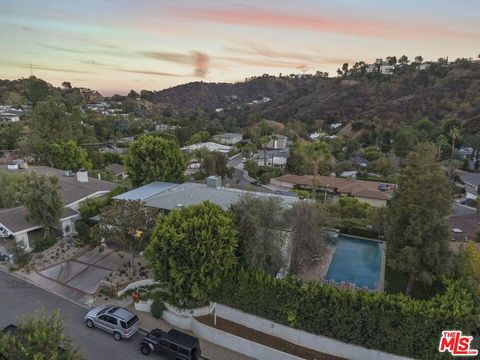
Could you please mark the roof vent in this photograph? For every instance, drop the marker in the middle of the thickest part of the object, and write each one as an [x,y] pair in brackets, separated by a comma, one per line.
[214,182]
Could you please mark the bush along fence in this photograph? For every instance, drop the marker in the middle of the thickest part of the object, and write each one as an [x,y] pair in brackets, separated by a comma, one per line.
[392,323]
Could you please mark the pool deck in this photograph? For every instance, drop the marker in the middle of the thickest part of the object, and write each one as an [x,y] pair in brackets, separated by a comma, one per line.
[318,271]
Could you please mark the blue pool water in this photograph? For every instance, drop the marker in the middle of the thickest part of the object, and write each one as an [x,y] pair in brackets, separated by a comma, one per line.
[357,261]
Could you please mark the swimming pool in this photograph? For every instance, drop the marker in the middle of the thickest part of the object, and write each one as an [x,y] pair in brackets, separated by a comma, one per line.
[357,261]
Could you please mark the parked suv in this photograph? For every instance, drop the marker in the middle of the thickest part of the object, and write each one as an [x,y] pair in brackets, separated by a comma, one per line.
[175,345]
[116,320]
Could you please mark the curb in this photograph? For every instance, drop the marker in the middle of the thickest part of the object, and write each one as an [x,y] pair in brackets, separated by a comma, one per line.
[27,280]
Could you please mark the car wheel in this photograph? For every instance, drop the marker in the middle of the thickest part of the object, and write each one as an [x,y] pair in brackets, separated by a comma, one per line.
[117,336]
[145,350]
[90,323]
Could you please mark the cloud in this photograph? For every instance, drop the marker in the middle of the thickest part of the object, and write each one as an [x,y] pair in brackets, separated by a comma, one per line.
[259,50]
[147,72]
[63,49]
[340,22]
[199,60]
[43,67]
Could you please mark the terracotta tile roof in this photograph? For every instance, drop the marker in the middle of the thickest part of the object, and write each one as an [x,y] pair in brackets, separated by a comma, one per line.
[360,188]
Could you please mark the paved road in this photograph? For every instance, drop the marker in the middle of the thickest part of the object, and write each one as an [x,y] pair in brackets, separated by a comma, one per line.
[20,298]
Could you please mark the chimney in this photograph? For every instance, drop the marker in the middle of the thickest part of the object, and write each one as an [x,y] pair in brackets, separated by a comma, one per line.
[214,182]
[82,176]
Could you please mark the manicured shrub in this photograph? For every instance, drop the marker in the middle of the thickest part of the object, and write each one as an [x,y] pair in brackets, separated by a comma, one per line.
[392,323]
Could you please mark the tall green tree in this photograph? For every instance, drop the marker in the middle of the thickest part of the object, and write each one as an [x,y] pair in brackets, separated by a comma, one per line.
[68,156]
[49,123]
[260,242]
[317,152]
[191,252]
[38,337]
[153,158]
[44,201]
[10,135]
[127,225]
[417,232]
[310,223]
[404,142]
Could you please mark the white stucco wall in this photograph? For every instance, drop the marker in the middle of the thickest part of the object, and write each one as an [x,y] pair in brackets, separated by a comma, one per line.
[320,343]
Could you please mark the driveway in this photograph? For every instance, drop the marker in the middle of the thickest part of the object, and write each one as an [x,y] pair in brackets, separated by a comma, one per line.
[79,278]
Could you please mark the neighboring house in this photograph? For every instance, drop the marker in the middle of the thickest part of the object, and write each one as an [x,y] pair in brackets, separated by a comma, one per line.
[464,227]
[210,146]
[112,149]
[116,170]
[365,191]
[75,189]
[168,197]
[335,126]
[280,142]
[10,114]
[228,138]
[387,69]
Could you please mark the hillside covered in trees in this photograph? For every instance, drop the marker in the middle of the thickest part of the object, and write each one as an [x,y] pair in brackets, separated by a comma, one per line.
[410,94]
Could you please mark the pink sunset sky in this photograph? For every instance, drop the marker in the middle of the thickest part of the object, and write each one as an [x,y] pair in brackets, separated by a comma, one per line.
[115,46]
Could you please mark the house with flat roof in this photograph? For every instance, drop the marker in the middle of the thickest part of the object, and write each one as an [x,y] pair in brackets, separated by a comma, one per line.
[75,189]
[371,192]
[210,146]
[228,138]
[168,197]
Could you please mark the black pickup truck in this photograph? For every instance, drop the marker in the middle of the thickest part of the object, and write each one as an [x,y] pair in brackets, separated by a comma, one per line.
[174,344]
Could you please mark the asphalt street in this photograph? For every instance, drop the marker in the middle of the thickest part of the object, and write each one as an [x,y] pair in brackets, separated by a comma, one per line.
[20,298]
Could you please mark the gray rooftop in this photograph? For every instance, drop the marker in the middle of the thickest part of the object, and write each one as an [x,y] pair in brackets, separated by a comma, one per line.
[228,135]
[72,190]
[192,193]
[16,219]
[146,191]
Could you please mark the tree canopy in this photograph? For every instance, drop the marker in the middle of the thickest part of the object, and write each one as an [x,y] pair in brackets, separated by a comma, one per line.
[42,197]
[38,337]
[127,225]
[152,158]
[191,251]
[68,156]
[417,231]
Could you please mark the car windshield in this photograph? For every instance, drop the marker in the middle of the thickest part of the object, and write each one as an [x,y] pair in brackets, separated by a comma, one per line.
[102,311]
[132,321]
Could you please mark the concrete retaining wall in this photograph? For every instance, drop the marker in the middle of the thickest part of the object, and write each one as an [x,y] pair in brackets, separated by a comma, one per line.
[182,318]
[320,343]
[238,344]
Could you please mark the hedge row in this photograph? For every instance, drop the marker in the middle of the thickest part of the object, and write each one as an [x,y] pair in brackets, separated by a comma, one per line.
[392,323]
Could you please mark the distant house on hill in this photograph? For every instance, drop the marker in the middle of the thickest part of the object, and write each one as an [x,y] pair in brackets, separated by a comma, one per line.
[280,142]
[228,138]
[210,146]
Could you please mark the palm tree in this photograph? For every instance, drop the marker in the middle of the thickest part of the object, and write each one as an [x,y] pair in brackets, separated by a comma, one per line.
[273,138]
[318,151]
[264,141]
[454,134]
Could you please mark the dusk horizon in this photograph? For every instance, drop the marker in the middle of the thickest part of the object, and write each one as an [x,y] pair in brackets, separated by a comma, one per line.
[144,45]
